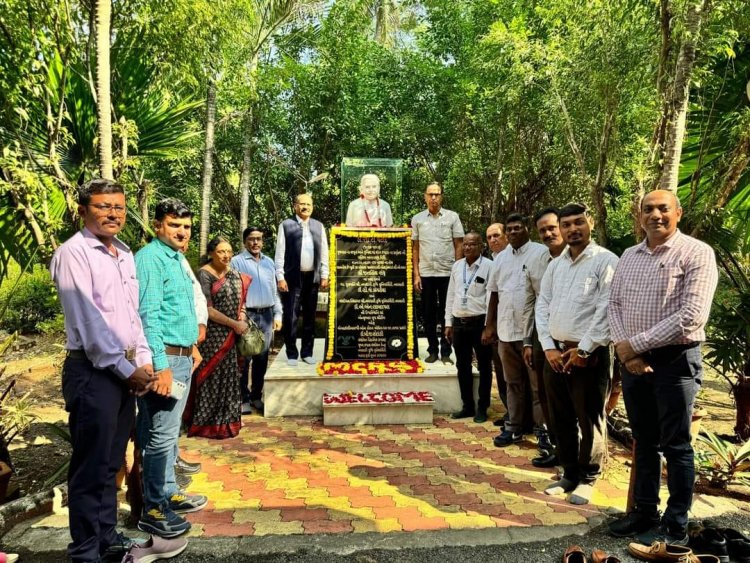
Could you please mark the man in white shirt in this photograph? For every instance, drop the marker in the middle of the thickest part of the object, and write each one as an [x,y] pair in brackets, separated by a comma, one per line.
[505,322]
[438,236]
[571,317]
[497,242]
[548,227]
[464,322]
[301,269]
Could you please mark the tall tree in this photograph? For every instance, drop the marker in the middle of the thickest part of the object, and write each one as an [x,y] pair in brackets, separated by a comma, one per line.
[208,167]
[103,99]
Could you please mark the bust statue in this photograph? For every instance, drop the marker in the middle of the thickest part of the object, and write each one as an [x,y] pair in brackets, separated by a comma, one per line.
[369,210]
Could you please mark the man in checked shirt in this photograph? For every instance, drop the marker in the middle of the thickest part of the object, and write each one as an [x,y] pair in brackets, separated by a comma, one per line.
[658,307]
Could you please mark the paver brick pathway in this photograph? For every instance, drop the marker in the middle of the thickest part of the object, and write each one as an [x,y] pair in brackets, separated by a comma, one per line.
[296,476]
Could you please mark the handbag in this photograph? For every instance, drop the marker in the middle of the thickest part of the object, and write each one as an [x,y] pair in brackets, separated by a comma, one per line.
[252,341]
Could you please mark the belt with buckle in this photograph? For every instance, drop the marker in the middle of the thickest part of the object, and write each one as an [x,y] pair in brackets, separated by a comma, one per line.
[259,309]
[178,350]
[468,320]
[563,345]
[81,355]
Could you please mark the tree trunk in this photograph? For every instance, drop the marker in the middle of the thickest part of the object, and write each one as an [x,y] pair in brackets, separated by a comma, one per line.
[678,102]
[597,188]
[103,100]
[247,159]
[741,392]
[208,166]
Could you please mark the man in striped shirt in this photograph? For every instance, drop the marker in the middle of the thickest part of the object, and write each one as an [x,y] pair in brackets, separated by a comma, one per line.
[659,304]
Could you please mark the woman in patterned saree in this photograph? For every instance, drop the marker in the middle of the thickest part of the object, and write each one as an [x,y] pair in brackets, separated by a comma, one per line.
[213,409]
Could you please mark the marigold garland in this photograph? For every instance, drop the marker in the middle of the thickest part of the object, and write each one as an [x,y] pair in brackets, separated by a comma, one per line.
[374,367]
[342,229]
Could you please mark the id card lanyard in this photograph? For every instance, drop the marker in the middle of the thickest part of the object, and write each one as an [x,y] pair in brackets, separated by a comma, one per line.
[467,284]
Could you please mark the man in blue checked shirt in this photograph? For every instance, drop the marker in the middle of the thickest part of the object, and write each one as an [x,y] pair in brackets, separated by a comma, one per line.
[167,311]
[263,306]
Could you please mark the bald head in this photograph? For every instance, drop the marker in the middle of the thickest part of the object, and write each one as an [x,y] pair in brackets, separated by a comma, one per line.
[660,213]
[496,238]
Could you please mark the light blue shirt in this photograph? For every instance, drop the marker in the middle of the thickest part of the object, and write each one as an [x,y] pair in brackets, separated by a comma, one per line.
[262,292]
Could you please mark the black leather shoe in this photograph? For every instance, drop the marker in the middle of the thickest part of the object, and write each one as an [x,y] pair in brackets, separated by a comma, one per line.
[480,418]
[446,360]
[545,459]
[431,359]
[634,522]
[186,468]
[709,540]
[738,544]
[463,413]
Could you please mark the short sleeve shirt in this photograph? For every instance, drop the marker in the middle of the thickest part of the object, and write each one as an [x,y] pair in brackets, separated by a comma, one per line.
[435,234]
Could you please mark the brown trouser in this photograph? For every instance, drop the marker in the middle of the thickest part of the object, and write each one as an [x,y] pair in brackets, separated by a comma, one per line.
[517,377]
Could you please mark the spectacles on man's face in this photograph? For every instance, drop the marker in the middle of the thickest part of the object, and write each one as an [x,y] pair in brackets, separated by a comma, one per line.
[433,195]
[106,208]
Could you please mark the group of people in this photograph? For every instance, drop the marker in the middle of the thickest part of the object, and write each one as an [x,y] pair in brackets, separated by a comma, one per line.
[144,329]
[549,317]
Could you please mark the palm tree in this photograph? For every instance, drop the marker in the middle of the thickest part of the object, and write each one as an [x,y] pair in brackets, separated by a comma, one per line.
[103,100]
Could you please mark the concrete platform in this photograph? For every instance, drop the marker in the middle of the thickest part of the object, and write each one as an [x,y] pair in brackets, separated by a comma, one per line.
[298,390]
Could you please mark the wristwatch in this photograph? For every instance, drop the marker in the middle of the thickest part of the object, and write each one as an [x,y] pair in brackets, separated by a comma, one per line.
[583,354]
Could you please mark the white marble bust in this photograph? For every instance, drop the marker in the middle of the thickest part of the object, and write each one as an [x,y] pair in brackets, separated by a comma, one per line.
[369,210]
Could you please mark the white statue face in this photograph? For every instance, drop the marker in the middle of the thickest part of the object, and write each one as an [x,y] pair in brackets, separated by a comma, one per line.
[369,186]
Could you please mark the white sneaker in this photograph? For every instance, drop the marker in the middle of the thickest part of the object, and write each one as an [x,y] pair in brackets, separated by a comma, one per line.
[246,408]
[292,361]
[309,360]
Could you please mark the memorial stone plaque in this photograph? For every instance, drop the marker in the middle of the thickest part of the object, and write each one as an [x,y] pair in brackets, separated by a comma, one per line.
[371,308]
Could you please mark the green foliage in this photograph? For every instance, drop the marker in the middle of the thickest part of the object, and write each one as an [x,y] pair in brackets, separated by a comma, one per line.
[28,301]
[723,463]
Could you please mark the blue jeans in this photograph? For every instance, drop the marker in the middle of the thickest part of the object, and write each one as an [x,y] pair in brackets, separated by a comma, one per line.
[158,428]
[264,320]
[660,408]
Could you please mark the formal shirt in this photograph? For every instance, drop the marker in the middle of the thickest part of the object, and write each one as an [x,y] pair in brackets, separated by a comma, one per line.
[572,302]
[307,259]
[362,213]
[467,289]
[262,292]
[201,305]
[663,296]
[533,286]
[167,304]
[99,297]
[508,279]
[435,234]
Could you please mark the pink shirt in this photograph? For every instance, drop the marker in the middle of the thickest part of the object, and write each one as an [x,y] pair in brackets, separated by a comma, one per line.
[663,296]
[99,296]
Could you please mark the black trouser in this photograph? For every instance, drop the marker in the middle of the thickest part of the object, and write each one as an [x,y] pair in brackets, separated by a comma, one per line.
[264,320]
[660,409]
[467,338]
[101,414]
[576,405]
[434,294]
[300,299]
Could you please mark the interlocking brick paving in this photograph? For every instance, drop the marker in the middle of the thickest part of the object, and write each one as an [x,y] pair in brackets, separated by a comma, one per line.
[296,476]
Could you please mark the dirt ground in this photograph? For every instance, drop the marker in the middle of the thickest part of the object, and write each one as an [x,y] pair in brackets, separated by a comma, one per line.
[39,452]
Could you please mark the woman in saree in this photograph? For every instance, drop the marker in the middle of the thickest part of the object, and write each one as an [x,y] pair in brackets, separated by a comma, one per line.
[213,409]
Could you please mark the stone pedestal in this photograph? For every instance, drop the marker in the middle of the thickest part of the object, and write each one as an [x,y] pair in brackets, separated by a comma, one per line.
[298,390]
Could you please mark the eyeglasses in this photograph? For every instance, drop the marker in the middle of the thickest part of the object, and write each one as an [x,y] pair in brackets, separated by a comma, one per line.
[433,195]
[106,208]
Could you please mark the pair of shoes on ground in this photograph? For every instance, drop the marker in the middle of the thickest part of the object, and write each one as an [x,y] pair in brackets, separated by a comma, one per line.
[575,554]
[247,407]
[307,359]
[154,549]
[432,358]
[479,417]
[166,522]
[722,542]
[185,467]
[660,551]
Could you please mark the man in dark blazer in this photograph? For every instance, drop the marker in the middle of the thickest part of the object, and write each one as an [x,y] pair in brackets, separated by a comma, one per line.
[301,269]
